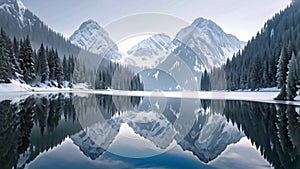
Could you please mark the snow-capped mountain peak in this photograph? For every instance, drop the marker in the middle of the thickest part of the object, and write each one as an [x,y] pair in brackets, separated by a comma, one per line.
[15,8]
[85,32]
[92,37]
[158,41]
[90,24]
[17,4]
[202,22]
[205,38]
[227,44]
[21,6]
[149,52]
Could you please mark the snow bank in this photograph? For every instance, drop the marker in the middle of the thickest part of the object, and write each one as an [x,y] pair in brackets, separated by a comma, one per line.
[267,97]
[14,86]
[271,89]
[17,90]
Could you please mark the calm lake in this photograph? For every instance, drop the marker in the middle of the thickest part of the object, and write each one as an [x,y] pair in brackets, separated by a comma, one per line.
[61,131]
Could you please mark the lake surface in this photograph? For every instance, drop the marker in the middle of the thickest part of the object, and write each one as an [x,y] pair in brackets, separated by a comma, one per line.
[102,131]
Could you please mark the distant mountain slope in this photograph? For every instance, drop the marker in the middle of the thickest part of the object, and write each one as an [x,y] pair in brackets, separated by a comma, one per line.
[150,52]
[202,45]
[208,42]
[19,21]
[203,41]
[93,38]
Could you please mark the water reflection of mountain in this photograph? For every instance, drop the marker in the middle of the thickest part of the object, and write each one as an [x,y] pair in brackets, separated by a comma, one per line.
[210,136]
[37,124]
[94,113]
[154,121]
[212,132]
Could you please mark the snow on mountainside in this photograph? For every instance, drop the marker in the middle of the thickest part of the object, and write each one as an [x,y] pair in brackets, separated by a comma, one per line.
[152,126]
[17,9]
[202,45]
[150,52]
[96,139]
[207,38]
[203,42]
[93,38]
[85,32]
[210,136]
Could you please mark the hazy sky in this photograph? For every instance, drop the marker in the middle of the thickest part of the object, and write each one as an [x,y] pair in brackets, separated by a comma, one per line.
[242,18]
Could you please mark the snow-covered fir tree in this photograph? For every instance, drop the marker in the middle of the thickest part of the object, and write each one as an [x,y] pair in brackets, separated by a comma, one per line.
[27,63]
[291,87]
[5,74]
[43,64]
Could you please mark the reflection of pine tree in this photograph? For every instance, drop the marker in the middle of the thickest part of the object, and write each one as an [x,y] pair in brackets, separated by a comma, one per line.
[26,123]
[271,130]
[293,127]
[54,114]
[9,136]
[17,120]
[110,105]
[282,129]
[41,112]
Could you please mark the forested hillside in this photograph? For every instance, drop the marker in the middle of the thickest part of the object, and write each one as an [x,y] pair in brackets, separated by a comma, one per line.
[18,21]
[271,58]
[19,61]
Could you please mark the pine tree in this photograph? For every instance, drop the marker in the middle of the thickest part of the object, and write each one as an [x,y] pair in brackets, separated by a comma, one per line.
[51,64]
[59,76]
[282,95]
[28,65]
[71,62]
[65,68]
[11,61]
[205,81]
[77,72]
[254,76]
[265,77]
[291,87]
[16,51]
[298,68]
[282,68]
[43,62]
[4,54]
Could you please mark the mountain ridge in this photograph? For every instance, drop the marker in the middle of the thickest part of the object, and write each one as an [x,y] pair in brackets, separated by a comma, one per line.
[92,37]
[18,21]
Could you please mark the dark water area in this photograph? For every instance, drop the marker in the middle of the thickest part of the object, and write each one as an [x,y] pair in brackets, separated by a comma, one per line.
[102,131]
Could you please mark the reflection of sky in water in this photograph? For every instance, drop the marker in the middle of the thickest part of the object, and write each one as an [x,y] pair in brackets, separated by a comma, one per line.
[129,144]
[67,155]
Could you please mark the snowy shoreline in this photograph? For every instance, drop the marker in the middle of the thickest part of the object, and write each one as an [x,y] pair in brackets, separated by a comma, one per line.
[17,91]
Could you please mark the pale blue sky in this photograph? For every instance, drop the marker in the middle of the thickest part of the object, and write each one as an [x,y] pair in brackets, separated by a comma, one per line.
[242,18]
